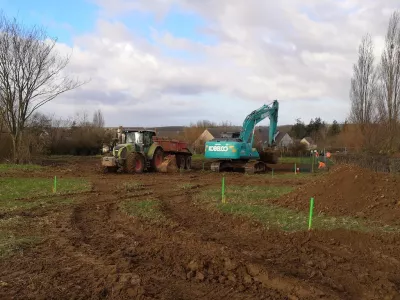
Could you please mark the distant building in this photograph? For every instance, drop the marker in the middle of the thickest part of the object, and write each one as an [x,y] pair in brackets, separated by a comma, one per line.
[283,140]
[309,142]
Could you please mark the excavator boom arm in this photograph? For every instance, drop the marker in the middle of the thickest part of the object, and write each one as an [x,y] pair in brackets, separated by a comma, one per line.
[255,117]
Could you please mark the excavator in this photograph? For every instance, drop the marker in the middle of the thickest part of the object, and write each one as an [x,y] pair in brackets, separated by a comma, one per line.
[235,150]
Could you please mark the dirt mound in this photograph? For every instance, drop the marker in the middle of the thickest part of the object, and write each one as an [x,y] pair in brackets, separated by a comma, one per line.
[351,191]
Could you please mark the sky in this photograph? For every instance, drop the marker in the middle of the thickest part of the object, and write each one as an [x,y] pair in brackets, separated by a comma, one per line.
[174,62]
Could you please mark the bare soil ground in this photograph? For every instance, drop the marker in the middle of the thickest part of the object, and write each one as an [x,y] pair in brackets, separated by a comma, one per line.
[92,249]
[351,190]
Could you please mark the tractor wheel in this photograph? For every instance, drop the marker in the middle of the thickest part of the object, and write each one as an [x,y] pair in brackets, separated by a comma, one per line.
[130,163]
[157,160]
[188,163]
[180,161]
[139,163]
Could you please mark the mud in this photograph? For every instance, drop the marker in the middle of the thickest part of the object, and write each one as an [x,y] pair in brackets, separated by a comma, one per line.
[352,191]
[93,250]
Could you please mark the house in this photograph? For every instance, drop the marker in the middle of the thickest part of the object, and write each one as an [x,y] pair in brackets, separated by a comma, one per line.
[308,141]
[283,140]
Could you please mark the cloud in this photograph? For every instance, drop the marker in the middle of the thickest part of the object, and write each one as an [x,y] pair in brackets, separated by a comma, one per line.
[299,52]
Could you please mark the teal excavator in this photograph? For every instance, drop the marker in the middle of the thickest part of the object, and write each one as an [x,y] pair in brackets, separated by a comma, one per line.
[235,150]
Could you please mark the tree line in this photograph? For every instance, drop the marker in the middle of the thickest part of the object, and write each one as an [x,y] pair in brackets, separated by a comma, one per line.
[317,129]
[81,134]
[375,92]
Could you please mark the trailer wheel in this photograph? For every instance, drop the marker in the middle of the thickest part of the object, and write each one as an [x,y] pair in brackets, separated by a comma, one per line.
[188,163]
[139,163]
[158,158]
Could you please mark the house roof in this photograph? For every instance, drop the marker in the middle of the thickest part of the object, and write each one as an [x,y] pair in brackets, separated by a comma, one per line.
[309,140]
[279,136]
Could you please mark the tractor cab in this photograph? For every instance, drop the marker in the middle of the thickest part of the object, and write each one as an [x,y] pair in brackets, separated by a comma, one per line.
[140,139]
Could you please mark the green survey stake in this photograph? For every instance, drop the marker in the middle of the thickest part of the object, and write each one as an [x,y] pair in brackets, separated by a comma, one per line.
[311,213]
[223,189]
[55,184]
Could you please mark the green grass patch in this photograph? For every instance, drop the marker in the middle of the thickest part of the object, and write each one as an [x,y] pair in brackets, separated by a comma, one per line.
[295,176]
[26,204]
[25,188]
[185,186]
[198,157]
[11,240]
[279,175]
[132,186]
[19,167]
[149,209]
[252,202]
[248,195]
[18,233]
[27,193]
[303,160]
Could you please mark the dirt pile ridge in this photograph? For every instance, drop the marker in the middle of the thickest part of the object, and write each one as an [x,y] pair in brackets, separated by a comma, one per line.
[351,191]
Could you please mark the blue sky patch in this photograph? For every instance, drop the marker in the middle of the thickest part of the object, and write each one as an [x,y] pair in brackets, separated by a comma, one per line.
[63,19]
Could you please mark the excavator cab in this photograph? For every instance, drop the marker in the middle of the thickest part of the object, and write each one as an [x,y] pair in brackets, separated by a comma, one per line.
[230,135]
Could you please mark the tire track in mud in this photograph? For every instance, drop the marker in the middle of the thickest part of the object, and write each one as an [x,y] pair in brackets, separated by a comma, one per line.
[157,254]
[228,252]
[300,266]
[106,238]
[96,251]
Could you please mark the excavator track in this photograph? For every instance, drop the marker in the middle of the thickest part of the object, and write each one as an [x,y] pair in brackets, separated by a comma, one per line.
[255,167]
[216,166]
[251,167]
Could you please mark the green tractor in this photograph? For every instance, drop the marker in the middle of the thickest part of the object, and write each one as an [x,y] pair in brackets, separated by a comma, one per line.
[136,151]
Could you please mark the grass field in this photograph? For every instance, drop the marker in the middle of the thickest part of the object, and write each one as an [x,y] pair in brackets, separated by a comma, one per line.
[252,202]
[148,209]
[15,167]
[303,160]
[24,195]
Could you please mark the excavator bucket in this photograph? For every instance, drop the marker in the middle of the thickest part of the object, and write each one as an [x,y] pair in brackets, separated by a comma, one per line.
[269,156]
[168,165]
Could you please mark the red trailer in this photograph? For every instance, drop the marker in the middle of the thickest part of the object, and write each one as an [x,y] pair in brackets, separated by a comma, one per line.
[179,149]
[138,150]
[170,145]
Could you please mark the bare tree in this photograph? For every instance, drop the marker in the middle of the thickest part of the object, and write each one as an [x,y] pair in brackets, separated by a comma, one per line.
[32,73]
[98,119]
[390,71]
[363,90]
[81,119]
[203,124]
